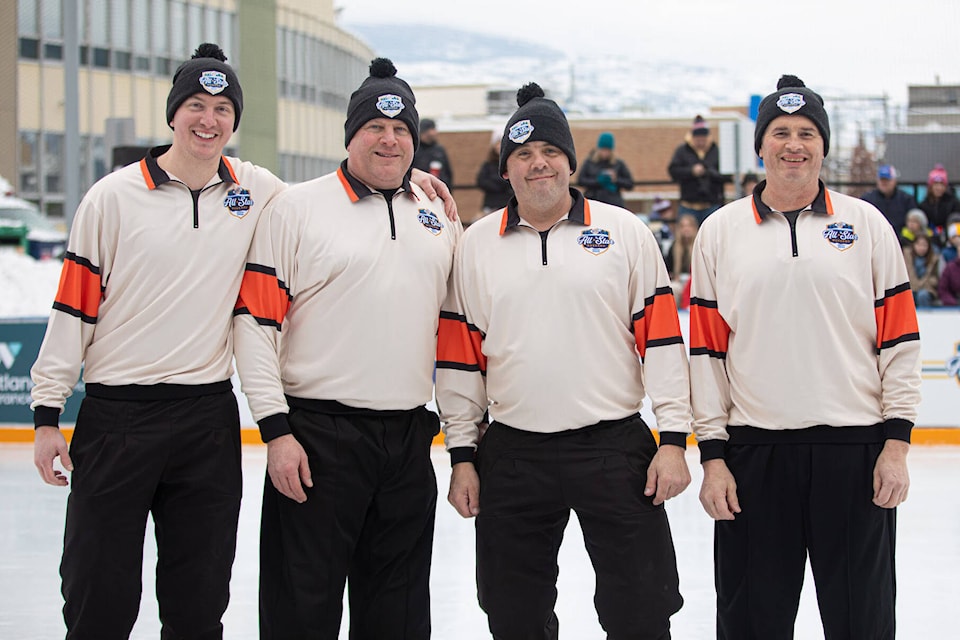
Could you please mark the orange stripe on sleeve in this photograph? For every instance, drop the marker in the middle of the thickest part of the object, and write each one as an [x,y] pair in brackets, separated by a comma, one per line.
[263,295]
[709,332]
[79,292]
[659,323]
[459,346]
[896,318]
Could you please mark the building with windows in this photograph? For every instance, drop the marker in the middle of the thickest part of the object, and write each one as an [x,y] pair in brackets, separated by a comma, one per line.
[297,65]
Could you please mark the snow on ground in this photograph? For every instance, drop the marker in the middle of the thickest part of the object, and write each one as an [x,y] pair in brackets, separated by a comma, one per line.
[27,286]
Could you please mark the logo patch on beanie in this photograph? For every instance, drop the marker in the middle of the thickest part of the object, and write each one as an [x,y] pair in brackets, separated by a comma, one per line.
[390,105]
[213,82]
[840,235]
[790,102]
[430,221]
[596,241]
[238,201]
[520,132]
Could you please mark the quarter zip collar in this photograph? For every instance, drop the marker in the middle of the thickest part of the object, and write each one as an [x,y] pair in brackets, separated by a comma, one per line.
[357,190]
[821,204]
[579,212]
[154,176]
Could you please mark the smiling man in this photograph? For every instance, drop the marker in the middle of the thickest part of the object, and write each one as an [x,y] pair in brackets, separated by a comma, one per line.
[562,319]
[145,306]
[805,381]
[336,330]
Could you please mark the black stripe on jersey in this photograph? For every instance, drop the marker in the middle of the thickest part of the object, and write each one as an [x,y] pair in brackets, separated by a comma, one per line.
[76,313]
[889,293]
[450,315]
[703,351]
[907,337]
[659,291]
[266,322]
[663,342]
[83,262]
[459,366]
[701,302]
[270,271]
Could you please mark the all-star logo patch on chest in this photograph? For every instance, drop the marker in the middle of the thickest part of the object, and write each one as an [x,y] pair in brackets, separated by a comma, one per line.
[595,241]
[238,202]
[430,221]
[840,235]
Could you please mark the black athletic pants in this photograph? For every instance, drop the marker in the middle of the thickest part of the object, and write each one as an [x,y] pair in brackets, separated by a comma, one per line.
[369,518]
[529,482]
[800,498]
[180,461]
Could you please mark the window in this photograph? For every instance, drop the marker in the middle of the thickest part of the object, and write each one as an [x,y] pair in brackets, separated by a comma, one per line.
[28,162]
[52,16]
[30,48]
[53,162]
[27,22]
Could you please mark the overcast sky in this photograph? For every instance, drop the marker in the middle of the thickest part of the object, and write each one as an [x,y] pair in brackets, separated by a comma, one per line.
[872,47]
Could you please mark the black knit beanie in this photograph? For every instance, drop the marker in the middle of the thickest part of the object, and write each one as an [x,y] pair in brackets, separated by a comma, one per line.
[207,70]
[537,119]
[792,97]
[382,95]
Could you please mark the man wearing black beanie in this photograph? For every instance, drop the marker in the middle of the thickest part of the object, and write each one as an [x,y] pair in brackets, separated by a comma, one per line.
[556,298]
[805,379]
[336,331]
[145,305]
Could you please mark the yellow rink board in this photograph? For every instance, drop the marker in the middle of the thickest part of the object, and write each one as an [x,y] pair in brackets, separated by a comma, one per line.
[921,435]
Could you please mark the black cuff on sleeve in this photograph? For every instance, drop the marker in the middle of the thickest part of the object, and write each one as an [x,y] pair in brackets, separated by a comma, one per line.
[897,429]
[462,454]
[46,417]
[712,450]
[273,427]
[673,437]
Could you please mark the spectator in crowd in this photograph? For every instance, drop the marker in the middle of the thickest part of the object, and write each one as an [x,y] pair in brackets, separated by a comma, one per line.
[335,331]
[949,251]
[662,223]
[914,227]
[949,288]
[747,184]
[496,190]
[805,381]
[603,175]
[939,203]
[923,270]
[431,157]
[892,201]
[695,166]
[680,253]
[552,350]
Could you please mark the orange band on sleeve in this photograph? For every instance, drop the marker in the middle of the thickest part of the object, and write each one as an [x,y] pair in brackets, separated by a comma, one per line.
[896,318]
[263,296]
[79,288]
[460,345]
[708,330]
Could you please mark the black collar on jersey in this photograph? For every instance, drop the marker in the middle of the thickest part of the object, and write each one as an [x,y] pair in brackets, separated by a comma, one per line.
[820,204]
[579,211]
[154,176]
[357,190]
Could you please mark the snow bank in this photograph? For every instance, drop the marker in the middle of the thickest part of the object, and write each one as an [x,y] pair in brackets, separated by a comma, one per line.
[27,286]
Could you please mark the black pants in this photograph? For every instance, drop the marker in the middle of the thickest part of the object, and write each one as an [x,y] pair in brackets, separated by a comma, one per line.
[798,498]
[529,482]
[180,461]
[369,518]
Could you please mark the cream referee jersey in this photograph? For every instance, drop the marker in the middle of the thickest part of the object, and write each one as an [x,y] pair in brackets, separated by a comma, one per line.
[562,329]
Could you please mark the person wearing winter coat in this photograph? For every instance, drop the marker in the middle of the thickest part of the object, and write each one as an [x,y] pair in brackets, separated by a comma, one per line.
[604,176]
